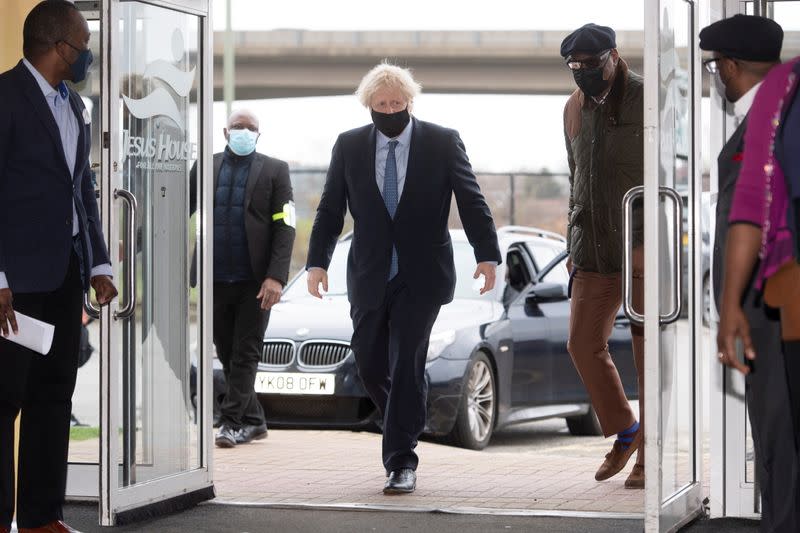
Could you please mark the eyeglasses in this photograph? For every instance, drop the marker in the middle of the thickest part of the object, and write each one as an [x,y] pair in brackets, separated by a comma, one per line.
[79,50]
[592,62]
[711,65]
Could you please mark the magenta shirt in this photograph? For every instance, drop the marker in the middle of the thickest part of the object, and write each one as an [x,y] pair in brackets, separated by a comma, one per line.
[751,203]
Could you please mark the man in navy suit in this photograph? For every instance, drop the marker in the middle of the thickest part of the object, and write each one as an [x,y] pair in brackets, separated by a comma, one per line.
[398,176]
[51,251]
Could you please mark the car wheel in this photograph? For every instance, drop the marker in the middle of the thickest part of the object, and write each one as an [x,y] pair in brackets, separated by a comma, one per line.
[584,425]
[478,405]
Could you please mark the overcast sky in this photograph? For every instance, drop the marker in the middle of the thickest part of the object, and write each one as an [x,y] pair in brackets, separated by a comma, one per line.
[429,14]
[501,133]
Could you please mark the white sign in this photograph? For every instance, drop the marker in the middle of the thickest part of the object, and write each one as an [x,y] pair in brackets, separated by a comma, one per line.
[295,383]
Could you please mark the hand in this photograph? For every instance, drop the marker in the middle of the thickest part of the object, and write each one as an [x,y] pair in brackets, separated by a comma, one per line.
[489,270]
[270,293]
[7,316]
[315,277]
[104,289]
[733,325]
[569,264]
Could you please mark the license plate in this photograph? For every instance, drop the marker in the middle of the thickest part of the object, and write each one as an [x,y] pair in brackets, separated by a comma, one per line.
[294,383]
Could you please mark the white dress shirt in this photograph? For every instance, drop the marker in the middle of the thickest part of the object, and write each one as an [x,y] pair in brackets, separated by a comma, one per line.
[742,106]
[400,156]
[69,130]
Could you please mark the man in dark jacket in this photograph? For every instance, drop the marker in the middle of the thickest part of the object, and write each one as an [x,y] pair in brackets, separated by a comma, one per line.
[52,249]
[253,237]
[738,67]
[603,122]
[398,176]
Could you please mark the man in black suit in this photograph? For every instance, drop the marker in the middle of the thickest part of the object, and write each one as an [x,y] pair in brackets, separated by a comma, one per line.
[738,66]
[253,238]
[398,176]
[51,251]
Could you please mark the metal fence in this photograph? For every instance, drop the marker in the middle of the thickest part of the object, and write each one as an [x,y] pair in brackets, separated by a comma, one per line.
[520,198]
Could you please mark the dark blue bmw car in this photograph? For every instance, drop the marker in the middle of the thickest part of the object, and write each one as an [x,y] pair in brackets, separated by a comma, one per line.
[494,360]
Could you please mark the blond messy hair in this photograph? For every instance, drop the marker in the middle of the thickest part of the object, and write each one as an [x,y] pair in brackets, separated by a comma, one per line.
[387,75]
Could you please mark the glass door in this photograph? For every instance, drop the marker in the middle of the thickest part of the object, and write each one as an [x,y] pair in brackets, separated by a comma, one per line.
[734,483]
[732,452]
[673,264]
[155,422]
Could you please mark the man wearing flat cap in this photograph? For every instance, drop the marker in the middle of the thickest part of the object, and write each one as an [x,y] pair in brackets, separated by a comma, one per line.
[737,66]
[603,122]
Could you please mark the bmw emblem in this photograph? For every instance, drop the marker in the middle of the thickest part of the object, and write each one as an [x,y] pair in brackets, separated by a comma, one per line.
[302,332]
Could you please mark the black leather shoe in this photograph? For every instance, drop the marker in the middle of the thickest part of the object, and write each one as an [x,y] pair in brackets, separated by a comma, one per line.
[402,481]
[251,433]
[226,437]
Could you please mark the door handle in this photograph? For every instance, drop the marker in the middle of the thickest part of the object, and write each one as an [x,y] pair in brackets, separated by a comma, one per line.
[89,306]
[130,256]
[627,264]
[627,255]
[677,222]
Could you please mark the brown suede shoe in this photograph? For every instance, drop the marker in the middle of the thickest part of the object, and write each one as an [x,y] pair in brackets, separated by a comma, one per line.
[635,478]
[53,527]
[617,458]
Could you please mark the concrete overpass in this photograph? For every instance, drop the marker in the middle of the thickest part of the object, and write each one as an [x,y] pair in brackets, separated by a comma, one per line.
[285,63]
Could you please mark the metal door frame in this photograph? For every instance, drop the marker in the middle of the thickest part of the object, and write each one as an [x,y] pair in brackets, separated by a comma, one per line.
[731,493]
[114,499]
[668,513]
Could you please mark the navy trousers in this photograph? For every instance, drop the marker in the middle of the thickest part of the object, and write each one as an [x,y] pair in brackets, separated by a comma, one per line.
[770,410]
[42,386]
[390,344]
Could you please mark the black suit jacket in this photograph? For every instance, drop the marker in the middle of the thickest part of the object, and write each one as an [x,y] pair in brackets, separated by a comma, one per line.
[437,168]
[37,190]
[729,163]
[269,241]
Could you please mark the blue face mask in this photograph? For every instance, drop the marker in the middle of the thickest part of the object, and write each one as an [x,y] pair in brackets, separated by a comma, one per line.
[80,68]
[242,142]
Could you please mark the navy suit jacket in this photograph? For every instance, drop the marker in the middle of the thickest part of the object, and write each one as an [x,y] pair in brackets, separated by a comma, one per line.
[438,167]
[37,190]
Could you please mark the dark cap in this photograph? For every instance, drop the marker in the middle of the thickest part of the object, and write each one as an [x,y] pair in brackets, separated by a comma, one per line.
[744,37]
[589,39]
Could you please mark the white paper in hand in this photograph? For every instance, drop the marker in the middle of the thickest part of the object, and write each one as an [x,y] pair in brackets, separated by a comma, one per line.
[33,334]
[477,284]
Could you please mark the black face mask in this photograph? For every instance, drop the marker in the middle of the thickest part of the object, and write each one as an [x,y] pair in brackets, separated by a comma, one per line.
[590,81]
[391,124]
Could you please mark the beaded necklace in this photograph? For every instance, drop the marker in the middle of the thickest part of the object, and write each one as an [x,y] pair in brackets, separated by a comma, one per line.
[769,166]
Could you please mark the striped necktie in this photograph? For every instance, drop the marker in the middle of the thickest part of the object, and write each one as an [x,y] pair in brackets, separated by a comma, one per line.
[390,197]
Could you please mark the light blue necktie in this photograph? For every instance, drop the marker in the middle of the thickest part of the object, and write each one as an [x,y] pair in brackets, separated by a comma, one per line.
[390,197]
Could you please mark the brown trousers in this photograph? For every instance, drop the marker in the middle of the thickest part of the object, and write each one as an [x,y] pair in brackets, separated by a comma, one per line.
[596,298]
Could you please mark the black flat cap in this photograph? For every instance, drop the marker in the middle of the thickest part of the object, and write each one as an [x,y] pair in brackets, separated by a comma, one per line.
[589,39]
[744,37]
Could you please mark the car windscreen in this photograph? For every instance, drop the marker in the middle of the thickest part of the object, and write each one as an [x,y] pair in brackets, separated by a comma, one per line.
[463,256]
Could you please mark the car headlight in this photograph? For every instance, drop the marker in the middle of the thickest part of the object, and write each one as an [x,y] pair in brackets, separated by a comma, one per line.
[438,342]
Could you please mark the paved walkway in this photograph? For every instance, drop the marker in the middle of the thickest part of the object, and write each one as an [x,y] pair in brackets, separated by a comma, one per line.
[344,468]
